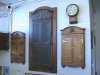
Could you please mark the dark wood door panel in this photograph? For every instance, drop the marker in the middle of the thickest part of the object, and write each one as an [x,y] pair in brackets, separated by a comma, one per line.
[42,46]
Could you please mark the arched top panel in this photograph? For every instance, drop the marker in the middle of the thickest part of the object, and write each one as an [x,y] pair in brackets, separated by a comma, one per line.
[18,34]
[72,29]
[42,12]
[43,8]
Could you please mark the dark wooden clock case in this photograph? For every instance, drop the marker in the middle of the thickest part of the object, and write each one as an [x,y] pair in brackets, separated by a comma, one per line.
[18,47]
[73,19]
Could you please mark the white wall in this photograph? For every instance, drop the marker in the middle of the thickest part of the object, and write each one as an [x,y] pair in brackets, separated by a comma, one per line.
[4,27]
[21,23]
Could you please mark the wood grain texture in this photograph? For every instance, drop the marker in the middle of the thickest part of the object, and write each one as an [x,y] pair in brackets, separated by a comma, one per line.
[73,47]
[43,40]
[18,47]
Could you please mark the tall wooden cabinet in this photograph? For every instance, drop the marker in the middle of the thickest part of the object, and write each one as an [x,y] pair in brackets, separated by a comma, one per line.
[73,47]
[18,47]
[43,40]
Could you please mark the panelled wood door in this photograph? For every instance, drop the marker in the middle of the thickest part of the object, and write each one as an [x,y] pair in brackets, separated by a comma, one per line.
[43,40]
[78,49]
[73,47]
[67,49]
[18,47]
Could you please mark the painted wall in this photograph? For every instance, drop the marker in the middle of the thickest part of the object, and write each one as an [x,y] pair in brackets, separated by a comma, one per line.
[4,27]
[21,23]
[93,47]
[97,32]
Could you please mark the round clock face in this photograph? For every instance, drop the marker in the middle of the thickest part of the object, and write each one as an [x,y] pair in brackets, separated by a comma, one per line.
[72,10]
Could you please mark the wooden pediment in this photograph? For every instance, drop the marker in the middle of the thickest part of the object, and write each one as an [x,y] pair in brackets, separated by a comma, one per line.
[72,30]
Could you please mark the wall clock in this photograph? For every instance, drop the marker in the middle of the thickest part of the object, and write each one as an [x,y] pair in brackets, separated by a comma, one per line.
[72,11]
